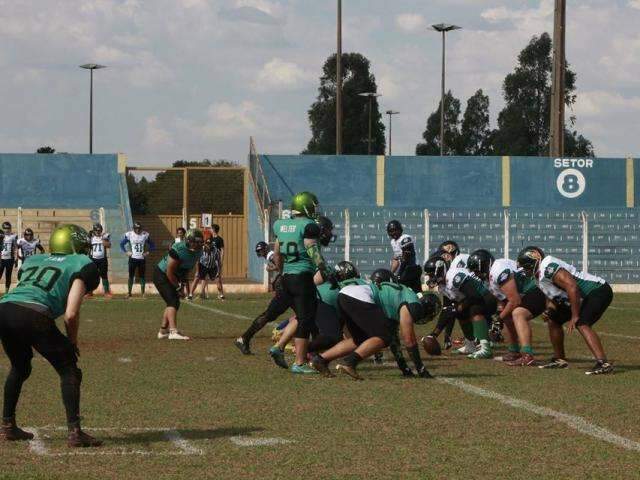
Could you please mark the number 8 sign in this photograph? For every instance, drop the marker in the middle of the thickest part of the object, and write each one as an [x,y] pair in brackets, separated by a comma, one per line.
[571,183]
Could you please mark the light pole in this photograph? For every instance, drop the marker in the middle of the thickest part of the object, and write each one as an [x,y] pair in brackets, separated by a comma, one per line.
[91,67]
[391,113]
[556,134]
[339,83]
[371,96]
[443,28]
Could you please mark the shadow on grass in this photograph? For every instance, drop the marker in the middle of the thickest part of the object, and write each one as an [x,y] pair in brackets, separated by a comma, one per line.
[130,438]
[625,368]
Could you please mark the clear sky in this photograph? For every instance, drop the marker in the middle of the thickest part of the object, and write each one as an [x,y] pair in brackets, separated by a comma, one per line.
[193,79]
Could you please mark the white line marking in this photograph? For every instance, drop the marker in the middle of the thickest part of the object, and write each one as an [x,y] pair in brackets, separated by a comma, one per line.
[91,453]
[219,312]
[125,360]
[183,445]
[37,445]
[258,442]
[572,421]
[209,359]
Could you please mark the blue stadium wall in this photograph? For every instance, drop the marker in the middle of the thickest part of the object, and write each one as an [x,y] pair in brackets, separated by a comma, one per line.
[468,199]
[70,181]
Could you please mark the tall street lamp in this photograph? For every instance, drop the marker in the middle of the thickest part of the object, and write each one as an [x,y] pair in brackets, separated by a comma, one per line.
[339,82]
[91,67]
[391,113]
[443,28]
[371,96]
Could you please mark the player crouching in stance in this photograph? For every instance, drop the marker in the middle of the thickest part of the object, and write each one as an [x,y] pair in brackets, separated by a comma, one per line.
[519,298]
[474,303]
[176,264]
[372,314]
[576,298]
[49,286]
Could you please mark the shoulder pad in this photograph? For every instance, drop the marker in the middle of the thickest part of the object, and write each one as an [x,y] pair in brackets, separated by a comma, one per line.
[503,277]
[459,279]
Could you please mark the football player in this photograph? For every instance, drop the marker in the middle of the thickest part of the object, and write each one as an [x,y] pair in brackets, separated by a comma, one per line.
[449,251]
[474,304]
[403,263]
[100,242]
[297,253]
[141,245]
[372,313]
[27,245]
[48,286]
[207,268]
[577,299]
[8,258]
[277,306]
[176,264]
[519,299]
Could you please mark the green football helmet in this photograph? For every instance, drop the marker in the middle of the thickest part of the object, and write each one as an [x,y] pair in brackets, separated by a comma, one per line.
[194,238]
[69,239]
[305,203]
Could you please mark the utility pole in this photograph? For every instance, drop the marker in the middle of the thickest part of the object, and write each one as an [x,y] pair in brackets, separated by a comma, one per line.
[339,83]
[391,113]
[91,67]
[556,125]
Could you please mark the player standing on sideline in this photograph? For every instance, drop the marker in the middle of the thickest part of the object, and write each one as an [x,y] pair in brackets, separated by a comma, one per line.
[206,268]
[576,298]
[27,245]
[185,287]
[176,264]
[49,286]
[403,263]
[277,306]
[297,253]
[141,245]
[100,241]
[218,242]
[8,258]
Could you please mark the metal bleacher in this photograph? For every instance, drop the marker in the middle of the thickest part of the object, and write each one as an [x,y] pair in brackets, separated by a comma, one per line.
[612,242]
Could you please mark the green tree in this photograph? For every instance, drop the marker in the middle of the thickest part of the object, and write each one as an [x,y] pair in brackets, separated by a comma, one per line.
[46,149]
[431,135]
[476,136]
[357,78]
[138,195]
[523,124]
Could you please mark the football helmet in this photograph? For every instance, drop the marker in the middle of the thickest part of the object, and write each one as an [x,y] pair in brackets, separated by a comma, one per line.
[394,229]
[28,233]
[326,231]
[305,203]
[262,248]
[449,249]
[480,262]
[383,275]
[69,239]
[194,239]
[435,269]
[529,259]
[346,270]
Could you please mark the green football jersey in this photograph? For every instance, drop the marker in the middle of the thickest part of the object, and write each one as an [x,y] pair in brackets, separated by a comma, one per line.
[290,234]
[391,296]
[329,295]
[46,280]
[186,258]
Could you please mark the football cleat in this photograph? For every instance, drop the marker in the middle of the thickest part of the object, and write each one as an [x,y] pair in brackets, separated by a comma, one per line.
[482,353]
[525,360]
[555,363]
[600,368]
[303,369]
[468,348]
[242,346]
[447,343]
[221,297]
[320,365]
[79,439]
[163,334]
[349,370]
[278,357]
[176,335]
[424,373]
[10,432]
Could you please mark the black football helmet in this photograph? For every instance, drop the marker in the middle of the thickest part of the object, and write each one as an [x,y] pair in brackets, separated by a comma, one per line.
[529,259]
[326,231]
[394,229]
[346,270]
[449,248]
[262,248]
[431,305]
[480,262]
[6,226]
[435,269]
[97,229]
[137,227]
[383,275]
[28,233]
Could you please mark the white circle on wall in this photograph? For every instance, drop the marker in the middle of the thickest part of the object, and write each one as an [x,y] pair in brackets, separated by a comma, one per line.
[571,183]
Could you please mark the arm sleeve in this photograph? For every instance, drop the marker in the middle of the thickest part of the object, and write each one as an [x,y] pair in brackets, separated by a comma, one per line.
[123,244]
[89,275]
[221,243]
[152,246]
[312,231]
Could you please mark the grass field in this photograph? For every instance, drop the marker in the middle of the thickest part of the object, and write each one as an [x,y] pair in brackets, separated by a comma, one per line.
[199,409]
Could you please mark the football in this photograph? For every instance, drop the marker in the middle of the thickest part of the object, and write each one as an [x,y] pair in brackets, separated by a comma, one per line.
[431,345]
